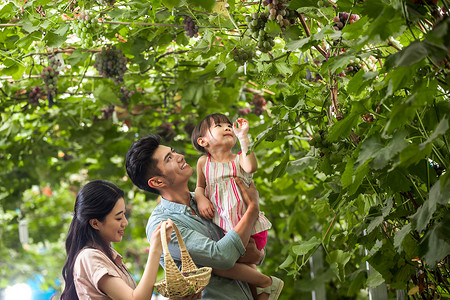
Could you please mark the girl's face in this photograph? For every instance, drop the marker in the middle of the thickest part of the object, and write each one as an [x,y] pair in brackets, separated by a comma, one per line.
[221,134]
[113,226]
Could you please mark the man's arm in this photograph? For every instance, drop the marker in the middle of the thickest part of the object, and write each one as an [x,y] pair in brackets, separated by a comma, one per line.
[251,198]
[252,254]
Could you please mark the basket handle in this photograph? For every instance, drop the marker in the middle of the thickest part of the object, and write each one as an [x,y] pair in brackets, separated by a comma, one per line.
[187,264]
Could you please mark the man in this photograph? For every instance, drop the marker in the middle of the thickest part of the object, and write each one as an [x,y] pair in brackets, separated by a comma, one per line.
[159,169]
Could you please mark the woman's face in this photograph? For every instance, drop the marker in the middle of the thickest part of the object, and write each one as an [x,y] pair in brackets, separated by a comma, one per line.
[113,226]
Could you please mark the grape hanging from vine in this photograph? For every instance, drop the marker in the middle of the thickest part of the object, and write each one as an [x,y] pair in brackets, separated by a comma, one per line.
[257,27]
[241,55]
[111,63]
[190,27]
[50,76]
[85,26]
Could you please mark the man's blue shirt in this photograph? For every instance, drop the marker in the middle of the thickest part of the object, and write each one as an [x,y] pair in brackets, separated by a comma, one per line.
[206,244]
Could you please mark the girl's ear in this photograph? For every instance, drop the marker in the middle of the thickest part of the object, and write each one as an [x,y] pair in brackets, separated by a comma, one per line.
[202,142]
[94,223]
[156,182]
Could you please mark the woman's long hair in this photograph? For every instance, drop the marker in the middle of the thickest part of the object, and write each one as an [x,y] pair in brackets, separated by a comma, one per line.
[95,200]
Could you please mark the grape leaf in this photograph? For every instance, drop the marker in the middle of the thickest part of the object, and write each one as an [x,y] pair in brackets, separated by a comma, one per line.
[400,236]
[304,247]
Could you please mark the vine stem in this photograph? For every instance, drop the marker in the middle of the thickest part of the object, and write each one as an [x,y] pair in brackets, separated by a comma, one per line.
[329,227]
[68,50]
[308,34]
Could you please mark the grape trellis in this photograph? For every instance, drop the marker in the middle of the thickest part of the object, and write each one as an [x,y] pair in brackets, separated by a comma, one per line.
[348,103]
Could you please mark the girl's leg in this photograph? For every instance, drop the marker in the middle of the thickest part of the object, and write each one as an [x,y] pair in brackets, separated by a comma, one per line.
[246,273]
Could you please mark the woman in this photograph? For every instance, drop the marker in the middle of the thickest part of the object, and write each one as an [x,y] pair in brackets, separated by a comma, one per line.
[94,270]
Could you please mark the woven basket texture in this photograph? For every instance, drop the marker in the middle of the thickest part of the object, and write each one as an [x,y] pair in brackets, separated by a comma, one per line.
[190,280]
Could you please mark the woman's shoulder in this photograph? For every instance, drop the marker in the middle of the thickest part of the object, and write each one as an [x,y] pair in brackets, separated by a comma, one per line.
[88,254]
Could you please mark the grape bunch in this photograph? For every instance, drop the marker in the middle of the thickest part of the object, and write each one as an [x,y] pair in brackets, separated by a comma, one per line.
[364,64]
[107,112]
[106,2]
[166,131]
[126,94]
[190,27]
[111,63]
[241,56]
[34,95]
[257,27]
[244,111]
[279,12]
[326,149]
[259,102]
[50,76]
[344,18]
[85,27]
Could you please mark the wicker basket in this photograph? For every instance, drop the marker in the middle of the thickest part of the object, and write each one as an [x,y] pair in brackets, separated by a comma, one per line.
[189,280]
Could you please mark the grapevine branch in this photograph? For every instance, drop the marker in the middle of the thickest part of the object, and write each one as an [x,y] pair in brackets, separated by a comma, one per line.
[66,50]
[308,34]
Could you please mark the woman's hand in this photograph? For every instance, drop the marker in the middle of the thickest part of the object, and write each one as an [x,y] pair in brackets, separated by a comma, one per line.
[155,240]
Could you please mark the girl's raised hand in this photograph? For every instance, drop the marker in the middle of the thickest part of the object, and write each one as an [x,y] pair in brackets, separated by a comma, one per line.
[241,131]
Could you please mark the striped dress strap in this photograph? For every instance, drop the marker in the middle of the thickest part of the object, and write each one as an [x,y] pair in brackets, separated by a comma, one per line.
[208,158]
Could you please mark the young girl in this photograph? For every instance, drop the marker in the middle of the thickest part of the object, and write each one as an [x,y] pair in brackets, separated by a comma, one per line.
[217,195]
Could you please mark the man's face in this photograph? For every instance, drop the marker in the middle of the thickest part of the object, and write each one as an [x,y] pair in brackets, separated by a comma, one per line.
[173,167]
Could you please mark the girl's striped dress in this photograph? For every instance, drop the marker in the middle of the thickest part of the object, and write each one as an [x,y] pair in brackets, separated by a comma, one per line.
[224,193]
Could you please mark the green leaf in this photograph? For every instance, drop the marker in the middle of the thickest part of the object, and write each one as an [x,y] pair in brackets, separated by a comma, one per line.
[374,223]
[299,165]
[54,40]
[360,174]
[425,212]
[433,249]
[77,56]
[347,176]
[171,4]
[340,259]
[297,44]
[410,55]
[106,95]
[400,236]
[374,279]
[220,67]
[287,262]
[279,170]
[441,129]
[304,247]
[206,4]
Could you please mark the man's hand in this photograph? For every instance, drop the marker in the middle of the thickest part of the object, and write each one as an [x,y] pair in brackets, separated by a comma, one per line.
[252,254]
[205,207]
[250,194]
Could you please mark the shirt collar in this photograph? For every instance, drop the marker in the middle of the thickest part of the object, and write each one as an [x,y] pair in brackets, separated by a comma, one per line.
[179,207]
[116,256]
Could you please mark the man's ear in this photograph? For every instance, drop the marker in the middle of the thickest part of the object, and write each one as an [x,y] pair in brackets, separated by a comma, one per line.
[94,223]
[202,142]
[156,182]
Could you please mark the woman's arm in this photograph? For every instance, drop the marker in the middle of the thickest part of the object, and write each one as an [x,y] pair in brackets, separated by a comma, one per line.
[117,289]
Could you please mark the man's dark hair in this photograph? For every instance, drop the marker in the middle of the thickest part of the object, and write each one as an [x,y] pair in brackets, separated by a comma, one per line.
[204,125]
[140,164]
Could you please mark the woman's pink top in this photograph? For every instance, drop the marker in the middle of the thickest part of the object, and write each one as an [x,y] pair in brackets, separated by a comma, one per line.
[90,266]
